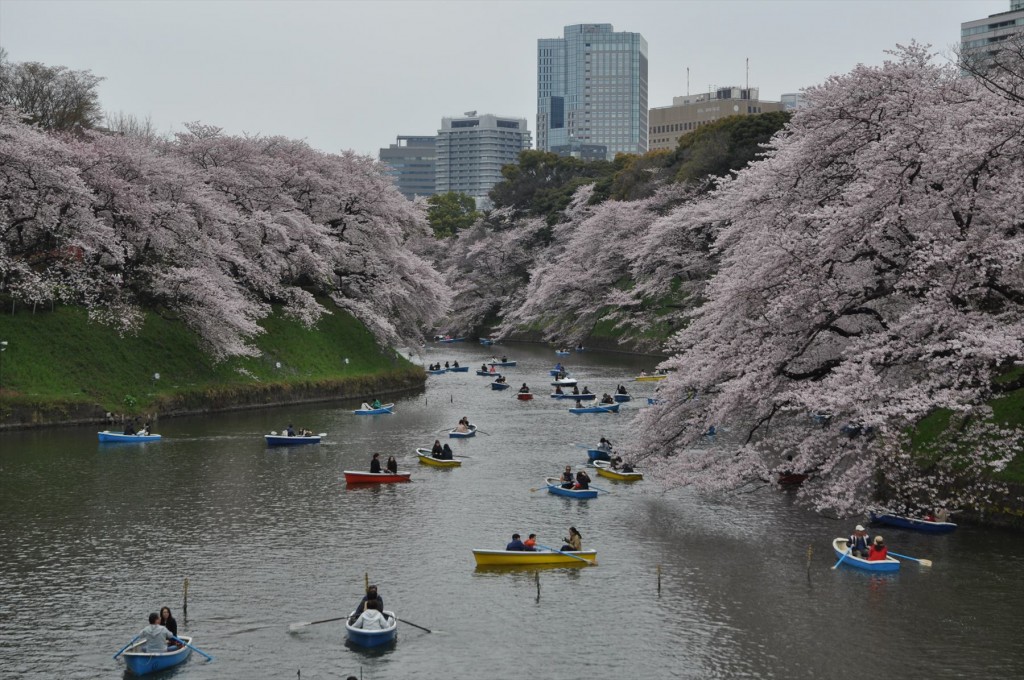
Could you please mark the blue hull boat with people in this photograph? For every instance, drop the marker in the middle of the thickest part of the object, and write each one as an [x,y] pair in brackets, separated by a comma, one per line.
[436,371]
[839,546]
[622,398]
[110,437]
[455,434]
[569,395]
[285,440]
[373,638]
[555,487]
[451,340]
[501,363]
[368,410]
[459,369]
[499,386]
[597,454]
[596,408]
[140,662]
[927,526]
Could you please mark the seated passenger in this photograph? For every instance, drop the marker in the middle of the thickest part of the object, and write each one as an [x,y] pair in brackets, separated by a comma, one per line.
[530,543]
[436,449]
[372,617]
[582,481]
[877,552]
[515,544]
[446,453]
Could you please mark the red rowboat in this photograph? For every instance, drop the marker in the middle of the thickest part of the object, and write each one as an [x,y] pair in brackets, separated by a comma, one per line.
[524,396]
[358,477]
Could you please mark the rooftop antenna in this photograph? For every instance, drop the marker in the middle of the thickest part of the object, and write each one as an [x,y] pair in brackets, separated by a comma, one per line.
[687,81]
[748,74]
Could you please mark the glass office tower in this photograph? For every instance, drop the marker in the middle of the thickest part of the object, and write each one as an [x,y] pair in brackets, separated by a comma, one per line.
[592,89]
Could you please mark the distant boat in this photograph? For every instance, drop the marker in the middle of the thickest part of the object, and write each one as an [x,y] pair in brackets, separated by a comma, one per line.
[500,386]
[143,663]
[597,454]
[511,558]
[427,459]
[110,437]
[622,398]
[285,440]
[359,477]
[524,396]
[455,434]
[373,638]
[569,395]
[564,382]
[436,371]
[449,340]
[459,369]
[604,469]
[369,411]
[554,485]
[929,527]
[486,341]
[562,352]
[650,378]
[596,408]
[501,363]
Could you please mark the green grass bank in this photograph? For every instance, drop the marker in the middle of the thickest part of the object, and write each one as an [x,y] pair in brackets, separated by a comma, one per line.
[60,368]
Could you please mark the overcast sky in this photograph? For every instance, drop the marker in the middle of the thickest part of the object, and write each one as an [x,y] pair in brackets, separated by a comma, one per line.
[355,74]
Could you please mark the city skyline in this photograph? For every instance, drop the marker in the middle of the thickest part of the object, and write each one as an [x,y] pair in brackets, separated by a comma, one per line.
[354,75]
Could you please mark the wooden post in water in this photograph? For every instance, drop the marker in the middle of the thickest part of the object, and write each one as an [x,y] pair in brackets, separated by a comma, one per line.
[536,577]
[659,579]
[810,552]
[184,604]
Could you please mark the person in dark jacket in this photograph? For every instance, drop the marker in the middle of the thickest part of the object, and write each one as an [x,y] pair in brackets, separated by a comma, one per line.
[515,544]
[371,595]
[446,453]
[375,463]
[436,451]
[859,542]
[567,480]
[392,465]
[582,480]
[168,622]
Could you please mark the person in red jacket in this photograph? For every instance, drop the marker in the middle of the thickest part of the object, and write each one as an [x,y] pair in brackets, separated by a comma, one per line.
[877,552]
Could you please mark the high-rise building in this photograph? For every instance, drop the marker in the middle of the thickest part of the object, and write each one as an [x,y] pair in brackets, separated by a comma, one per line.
[791,101]
[592,89]
[471,151]
[411,162]
[982,39]
[669,123]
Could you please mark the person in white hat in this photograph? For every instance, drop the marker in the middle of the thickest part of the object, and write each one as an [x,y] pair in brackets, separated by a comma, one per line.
[859,542]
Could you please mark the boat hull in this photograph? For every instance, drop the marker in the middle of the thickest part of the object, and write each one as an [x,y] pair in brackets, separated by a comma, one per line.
[438,371]
[499,386]
[448,341]
[143,663]
[359,477]
[463,435]
[555,487]
[501,363]
[524,396]
[111,437]
[565,382]
[282,440]
[914,524]
[649,378]
[427,459]
[581,397]
[597,408]
[889,564]
[518,558]
[373,638]
[622,398]
[459,369]
[605,470]
[562,354]
[597,454]
[386,408]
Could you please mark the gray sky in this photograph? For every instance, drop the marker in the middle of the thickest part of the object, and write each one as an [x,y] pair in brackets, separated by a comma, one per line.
[355,74]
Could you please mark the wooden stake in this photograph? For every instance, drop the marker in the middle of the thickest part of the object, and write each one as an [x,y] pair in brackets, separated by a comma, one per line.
[184,605]
[536,577]
[659,579]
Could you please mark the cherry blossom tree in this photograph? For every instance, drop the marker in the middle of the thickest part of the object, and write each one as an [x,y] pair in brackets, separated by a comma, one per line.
[872,273]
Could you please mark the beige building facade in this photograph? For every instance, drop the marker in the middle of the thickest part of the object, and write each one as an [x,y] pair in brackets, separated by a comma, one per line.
[669,123]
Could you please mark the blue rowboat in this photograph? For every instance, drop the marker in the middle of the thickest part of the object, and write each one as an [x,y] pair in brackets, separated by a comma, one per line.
[108,437]
[554,371]
[493,374]
[143,663]
[366,411]
[486,341]
[450,340]
[285,440]
[621,398]
[499,386]
[555,486]
[889,564]
[501,363]
[596,408]
[914,524]
[597,454]
[564,382]
[459,369]
[462,435]
[569,395]
[562,353]
[373,638]
[438,371]
[651,401]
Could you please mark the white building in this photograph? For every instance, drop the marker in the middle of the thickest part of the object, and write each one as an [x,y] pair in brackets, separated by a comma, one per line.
[471,150]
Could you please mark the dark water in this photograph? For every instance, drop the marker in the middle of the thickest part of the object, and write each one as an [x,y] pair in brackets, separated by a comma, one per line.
[93,537]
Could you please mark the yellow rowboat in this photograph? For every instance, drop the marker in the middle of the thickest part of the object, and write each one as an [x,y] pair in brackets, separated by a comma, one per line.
[604,468]
[650,378]
[427,459]
[505,558]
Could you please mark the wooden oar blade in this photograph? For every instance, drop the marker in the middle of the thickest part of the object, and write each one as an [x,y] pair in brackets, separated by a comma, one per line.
[300,625]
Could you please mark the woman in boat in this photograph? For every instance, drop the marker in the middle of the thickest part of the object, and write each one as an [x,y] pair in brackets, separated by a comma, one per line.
[524,389]
[483,367]
[500,380]
[372,617]
[615,462]
[582,481]
[436,449]
[576,390]
[877,552]
[446,453]
[530,544]
[370,596]
[607,399]
[859,542]
[129,427]
[167,621]
[145,431]
[622,389]
[446,365]
[375,464]
[156,637]
[627,467]
[604,446]
[392,465]
[567,479]
[574,542]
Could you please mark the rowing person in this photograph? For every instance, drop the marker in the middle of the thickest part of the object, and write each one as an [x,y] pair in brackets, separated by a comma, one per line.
[524,389]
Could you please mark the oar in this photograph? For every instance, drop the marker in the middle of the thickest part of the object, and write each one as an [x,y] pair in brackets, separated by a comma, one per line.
[194,649]
[924,563]
[841,559]
[130,643]
[601,489]
[482,432]
[303,624]
[415,625]
[576,557]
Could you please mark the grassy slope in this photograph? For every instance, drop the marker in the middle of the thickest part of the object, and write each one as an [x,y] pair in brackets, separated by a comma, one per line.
[59,356]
